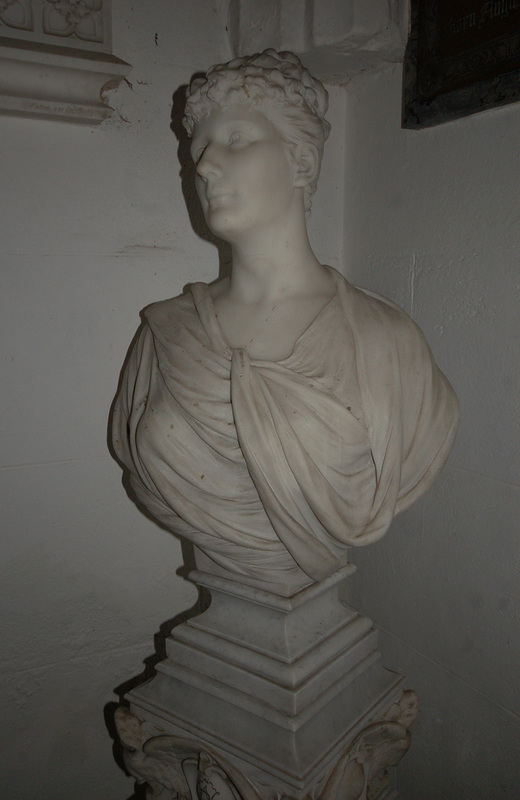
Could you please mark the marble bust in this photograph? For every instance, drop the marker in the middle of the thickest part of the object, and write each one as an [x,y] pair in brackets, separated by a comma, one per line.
[279,416]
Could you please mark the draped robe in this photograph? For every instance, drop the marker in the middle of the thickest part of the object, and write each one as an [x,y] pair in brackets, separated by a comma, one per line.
[274,469]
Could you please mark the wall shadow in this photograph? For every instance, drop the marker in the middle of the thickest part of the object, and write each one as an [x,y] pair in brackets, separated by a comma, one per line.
[161,635]
[200,228]
[147,673]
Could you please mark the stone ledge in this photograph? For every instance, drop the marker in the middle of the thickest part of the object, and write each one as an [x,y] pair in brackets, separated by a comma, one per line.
[59,83]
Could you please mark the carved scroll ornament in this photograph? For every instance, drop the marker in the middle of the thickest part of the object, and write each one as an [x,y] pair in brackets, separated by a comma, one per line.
[178,768]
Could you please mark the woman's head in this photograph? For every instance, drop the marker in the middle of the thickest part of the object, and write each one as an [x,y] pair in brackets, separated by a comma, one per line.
[269,81]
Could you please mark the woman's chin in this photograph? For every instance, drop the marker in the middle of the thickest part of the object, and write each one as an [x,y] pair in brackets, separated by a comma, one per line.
[225,225]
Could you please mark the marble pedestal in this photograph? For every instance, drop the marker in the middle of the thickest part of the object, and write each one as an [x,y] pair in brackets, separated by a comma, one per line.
[264,696]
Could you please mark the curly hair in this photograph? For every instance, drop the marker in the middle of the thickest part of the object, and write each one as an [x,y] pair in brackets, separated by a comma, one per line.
[266,79]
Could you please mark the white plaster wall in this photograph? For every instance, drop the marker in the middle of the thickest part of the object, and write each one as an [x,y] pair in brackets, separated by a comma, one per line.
[432,220]
[94,228]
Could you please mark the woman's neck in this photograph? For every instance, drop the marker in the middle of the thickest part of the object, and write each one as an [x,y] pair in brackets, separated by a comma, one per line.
[274,264]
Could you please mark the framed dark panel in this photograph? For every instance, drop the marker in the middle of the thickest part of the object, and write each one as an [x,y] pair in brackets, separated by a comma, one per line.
[462,56]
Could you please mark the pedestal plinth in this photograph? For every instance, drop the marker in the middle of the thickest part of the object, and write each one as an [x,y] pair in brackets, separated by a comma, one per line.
[271,695]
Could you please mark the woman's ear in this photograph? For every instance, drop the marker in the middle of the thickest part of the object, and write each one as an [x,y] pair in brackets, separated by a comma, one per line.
[306,162]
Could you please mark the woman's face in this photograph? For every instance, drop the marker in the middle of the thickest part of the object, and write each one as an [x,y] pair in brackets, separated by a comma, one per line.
[245,174]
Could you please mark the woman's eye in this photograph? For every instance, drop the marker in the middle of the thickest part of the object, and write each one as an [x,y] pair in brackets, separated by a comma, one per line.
[234,138]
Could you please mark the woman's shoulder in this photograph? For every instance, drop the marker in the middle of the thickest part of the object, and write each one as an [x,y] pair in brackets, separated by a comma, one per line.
[372,314]
[168,317]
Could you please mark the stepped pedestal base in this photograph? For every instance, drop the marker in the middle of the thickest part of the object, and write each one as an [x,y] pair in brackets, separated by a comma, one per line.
[264,696]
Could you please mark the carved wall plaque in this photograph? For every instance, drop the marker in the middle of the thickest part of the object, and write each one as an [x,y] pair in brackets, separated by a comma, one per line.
[461,58]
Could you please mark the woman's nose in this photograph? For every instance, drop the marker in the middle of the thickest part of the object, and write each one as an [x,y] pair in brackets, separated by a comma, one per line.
[209,164]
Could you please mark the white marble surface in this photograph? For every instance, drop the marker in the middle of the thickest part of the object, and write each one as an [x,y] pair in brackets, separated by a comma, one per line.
[278,686]
[278,416]
[275,418]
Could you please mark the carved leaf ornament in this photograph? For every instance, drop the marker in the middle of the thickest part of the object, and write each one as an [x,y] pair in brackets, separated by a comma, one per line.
[17,14]
[177,768]
[81,18]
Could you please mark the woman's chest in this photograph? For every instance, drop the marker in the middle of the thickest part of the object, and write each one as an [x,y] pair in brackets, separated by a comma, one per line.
[268,331]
